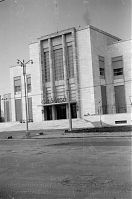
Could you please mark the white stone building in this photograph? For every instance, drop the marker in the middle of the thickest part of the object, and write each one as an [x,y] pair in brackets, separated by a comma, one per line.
[5,108]
[88,66]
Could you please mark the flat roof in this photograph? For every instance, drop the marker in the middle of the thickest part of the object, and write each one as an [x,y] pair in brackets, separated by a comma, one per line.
[121,41]
[58,33]
[105,33]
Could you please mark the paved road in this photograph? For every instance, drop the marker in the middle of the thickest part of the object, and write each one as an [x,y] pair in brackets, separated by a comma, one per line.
[66,168]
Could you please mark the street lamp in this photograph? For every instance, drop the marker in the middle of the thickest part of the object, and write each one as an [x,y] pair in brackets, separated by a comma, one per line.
[69,106]
[23,65]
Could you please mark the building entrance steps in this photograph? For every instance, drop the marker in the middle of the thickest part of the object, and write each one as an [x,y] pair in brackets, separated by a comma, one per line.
[7,125]
[54,124]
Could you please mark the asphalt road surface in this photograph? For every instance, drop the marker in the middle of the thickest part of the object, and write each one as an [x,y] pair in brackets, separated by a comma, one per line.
[66,168]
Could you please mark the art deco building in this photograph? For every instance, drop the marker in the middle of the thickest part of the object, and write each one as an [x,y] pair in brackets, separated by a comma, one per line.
[88,67]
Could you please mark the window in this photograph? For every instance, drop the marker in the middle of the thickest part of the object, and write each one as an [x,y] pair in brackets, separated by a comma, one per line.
[30,113]
[118,71]
[102,67]
[102,72]
[104,99]
[120,101]
[117,65]
[46,66]
[18,109]
[29,83]
[58,64]
[70,61]
[17,85]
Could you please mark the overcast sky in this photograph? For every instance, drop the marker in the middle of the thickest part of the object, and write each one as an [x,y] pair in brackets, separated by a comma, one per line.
[22,21]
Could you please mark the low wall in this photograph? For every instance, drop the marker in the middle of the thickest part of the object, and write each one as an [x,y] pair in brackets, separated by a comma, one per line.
[110,119]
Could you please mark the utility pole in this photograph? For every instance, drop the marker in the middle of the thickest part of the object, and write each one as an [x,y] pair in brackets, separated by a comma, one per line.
[23,65]
[69,105]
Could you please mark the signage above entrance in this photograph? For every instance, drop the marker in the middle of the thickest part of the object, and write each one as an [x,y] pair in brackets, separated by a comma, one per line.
[54,101]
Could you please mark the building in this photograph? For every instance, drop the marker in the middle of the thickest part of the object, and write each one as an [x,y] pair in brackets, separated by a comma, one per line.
[88,66]
[5,108]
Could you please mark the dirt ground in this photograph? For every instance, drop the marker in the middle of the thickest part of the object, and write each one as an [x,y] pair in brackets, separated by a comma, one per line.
[90,168]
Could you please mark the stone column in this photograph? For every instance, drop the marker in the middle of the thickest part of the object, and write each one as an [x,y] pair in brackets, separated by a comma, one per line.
[65,70]
[65,64]
[52,79]
[42,78]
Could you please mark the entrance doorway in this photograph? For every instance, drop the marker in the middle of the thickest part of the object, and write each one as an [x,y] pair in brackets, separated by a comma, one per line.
[61,111]
[48,112]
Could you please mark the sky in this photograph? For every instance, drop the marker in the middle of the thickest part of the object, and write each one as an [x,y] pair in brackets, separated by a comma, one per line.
[23,21]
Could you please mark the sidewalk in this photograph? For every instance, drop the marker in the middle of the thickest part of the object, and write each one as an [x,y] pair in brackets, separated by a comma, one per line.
[45,125]
[59,129]
[54,134]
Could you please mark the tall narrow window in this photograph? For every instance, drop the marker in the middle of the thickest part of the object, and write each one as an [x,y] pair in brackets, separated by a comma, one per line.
[18,109]
[70,61]
[102,67]
[30,113]
[104,99]
[46,66]
[17,85]
[120,101]
[29,83]
[58,64]
[117,65]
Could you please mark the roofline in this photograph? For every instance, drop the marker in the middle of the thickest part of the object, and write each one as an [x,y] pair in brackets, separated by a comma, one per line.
[105,33]
[27,65]
[118,42]
[34,42]
[14,66]
[59,33]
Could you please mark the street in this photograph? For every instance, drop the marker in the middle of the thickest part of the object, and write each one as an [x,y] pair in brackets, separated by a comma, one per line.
[66,168]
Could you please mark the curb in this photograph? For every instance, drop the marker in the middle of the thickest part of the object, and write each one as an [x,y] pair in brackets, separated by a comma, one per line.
[102,129]
[66,137]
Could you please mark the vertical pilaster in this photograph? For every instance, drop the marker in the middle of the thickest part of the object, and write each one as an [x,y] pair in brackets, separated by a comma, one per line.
[52,79]
[42,76]
[43,88]
[51,69]
[65,65]
[109,85]
[76,75]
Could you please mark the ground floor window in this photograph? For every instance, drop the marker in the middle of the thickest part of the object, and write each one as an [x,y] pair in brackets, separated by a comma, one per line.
[18,109]
[74,110]
[104,99]
[120,101]
[48,112]
[30,113]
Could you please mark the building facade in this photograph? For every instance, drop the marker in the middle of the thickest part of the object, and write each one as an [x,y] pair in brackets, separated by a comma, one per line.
[87,67]
[5,108]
